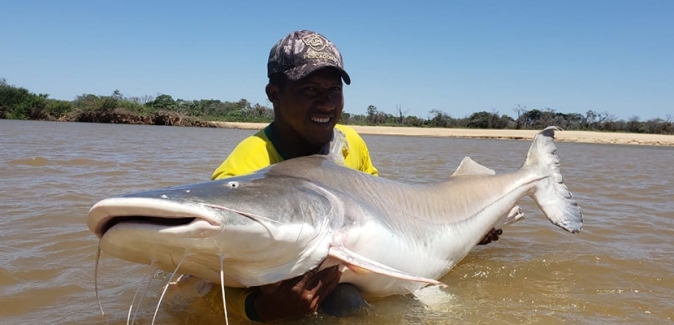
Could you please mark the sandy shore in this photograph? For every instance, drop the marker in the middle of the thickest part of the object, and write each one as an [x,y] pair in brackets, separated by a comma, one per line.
[564,136]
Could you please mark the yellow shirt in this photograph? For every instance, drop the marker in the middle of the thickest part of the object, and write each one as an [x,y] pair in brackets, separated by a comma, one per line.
[257,152]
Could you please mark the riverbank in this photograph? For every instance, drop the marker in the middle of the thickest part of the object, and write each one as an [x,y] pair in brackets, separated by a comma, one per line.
[564,136]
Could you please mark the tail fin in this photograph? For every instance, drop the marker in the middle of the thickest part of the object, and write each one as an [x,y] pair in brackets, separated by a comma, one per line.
[550,194]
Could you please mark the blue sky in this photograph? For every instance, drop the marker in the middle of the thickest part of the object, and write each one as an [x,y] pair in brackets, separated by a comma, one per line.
[456,56]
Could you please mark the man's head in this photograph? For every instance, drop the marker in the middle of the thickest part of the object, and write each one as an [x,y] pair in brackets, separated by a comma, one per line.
[302,52]
[305,73]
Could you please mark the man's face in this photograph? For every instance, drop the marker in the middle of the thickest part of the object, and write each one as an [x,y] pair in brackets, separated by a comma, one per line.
[312,105]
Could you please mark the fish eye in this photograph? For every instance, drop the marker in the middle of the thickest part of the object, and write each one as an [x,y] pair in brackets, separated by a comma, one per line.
[233,184]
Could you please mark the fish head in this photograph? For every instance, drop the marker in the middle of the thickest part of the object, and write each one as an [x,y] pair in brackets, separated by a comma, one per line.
[259,229]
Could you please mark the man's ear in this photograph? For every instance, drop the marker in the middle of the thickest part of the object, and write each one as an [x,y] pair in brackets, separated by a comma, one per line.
[272,93]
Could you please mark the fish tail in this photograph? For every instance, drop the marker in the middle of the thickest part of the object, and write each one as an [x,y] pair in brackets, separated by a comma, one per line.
[550,193]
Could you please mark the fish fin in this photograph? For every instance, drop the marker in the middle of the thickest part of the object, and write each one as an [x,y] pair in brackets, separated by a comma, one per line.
[357,269]
[336,147]
[514,215]
[551,194]
[362,265]
[469,167]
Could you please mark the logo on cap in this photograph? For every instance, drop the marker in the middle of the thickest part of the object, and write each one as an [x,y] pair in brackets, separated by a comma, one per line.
[316,42]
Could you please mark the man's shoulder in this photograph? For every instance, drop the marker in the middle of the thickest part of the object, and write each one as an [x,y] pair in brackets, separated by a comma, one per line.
[252,153]
[349,132]
[256,147]
[345,128]
[254,141]
[359,155]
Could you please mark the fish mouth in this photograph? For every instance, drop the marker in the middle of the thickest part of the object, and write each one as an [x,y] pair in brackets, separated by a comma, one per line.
[157,221]
[193,219]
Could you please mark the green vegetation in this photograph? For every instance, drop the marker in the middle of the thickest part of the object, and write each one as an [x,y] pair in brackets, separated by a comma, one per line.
[19,103]
[526,119]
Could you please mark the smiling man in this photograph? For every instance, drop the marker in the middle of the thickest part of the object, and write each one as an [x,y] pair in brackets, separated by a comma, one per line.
[305,72]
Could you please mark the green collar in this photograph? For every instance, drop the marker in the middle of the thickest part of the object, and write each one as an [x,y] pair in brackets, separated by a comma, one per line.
[270,135]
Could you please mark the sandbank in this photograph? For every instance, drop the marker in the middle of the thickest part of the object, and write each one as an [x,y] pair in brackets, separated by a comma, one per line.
[564,136]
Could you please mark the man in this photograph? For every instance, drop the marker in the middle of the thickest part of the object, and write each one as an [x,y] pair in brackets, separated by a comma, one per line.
[305,72]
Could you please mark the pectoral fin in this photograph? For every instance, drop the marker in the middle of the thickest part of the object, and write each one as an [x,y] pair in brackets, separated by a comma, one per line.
[362,265]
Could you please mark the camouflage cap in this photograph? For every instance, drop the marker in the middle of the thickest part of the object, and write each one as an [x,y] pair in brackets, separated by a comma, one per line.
[303,52]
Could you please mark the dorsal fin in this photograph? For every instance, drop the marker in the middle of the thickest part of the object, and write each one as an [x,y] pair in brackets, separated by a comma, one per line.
[335,148]
[470,167]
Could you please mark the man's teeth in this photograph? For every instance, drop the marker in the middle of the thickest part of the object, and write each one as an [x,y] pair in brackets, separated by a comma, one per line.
[320,119]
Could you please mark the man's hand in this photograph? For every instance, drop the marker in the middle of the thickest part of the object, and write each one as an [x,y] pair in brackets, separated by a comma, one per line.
[492,235]
[297,296]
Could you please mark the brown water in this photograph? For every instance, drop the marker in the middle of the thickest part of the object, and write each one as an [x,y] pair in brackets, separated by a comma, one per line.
[619,270]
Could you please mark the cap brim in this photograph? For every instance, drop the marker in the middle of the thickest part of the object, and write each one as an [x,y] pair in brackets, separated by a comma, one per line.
[302,71]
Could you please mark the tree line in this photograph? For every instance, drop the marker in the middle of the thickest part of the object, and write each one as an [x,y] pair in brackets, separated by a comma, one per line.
[20,103]
[524,119]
